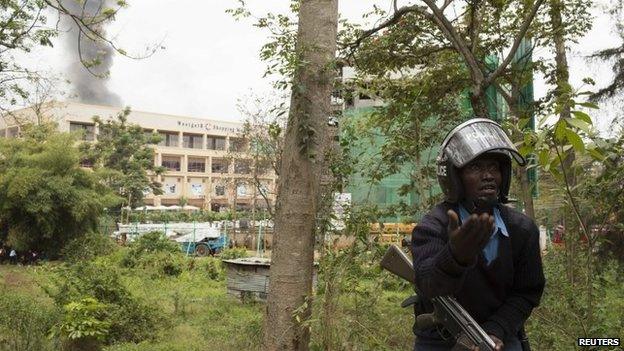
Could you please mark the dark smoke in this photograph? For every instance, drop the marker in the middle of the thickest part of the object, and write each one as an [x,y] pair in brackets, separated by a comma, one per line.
[89,87]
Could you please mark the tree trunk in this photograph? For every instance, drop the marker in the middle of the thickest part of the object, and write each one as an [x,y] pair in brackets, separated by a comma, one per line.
[290,284]
[478,102]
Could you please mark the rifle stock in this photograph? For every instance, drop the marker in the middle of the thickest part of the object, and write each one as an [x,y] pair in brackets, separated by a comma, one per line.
[446,310]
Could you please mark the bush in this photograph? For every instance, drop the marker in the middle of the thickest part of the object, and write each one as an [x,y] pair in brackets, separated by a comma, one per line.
[564,313]
[232,253]
[160,264]
[147,244]
[84,325]
[87,247]
[130,319]
[24,323]
[211,267]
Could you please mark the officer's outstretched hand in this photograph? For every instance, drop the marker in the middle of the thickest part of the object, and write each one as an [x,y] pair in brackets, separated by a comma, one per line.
[468,240]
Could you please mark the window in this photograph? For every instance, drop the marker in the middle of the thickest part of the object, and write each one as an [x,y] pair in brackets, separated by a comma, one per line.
[238,144]
[242,167]
[88,130]
[219,190]
[263,189]
[216,143]
[193,141]
[196,165]
[219,166]
[262,168]
[168,139]
[171,163]
[241,190]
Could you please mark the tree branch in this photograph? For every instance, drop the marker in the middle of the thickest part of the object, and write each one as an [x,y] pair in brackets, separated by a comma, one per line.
[447,28]
[519,36]
[398,13]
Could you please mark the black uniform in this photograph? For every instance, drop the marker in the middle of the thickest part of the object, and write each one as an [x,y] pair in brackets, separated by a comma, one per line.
[500,295]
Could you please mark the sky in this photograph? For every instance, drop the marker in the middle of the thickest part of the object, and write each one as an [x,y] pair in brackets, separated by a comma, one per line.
[209,61]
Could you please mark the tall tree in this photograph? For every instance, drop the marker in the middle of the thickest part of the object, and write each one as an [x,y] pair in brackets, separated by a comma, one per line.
[614,54]
[265,119]
[46,198]
[437,57]
[292,258]
[122,158]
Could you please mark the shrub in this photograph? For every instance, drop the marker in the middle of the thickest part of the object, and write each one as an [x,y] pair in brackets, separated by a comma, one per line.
[24,323]
[84,325]
[146,244]
[565,313]
[130,319]
[87,247]
[232,253]
[211,267]
[160,264]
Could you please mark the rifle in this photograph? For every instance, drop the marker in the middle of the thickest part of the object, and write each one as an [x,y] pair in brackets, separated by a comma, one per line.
[446,310]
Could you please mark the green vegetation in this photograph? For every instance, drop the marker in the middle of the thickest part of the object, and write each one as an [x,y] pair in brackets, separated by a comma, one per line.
[46,198]
[122,158]
[197,216]
[100,302]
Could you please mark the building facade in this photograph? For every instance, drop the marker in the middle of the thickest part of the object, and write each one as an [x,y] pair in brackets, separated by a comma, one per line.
[207,162]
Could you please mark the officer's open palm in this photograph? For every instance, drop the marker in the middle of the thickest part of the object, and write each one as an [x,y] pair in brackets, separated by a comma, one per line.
[467,240]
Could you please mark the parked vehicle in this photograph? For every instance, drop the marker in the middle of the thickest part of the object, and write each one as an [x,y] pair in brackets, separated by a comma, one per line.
[202,243]
[206,246]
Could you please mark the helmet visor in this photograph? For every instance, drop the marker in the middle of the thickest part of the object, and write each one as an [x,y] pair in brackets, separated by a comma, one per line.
[475,137]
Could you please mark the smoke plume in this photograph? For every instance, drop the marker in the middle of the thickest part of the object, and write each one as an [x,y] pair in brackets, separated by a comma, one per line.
[89,85]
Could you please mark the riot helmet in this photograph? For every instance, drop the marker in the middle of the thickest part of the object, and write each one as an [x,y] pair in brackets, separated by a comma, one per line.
[466,142]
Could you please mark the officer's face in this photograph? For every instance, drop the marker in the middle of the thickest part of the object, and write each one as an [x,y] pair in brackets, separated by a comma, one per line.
[481,178]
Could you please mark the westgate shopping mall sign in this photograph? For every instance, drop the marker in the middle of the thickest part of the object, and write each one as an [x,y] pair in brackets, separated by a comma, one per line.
[209,126]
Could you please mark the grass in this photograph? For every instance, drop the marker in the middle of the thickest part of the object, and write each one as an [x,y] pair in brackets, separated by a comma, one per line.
[203,314]
[204,317]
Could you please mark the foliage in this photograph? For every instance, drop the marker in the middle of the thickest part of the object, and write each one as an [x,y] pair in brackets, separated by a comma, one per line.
[613,55]
[233,253]
[83,325]
[210,267]
[153,251]
[358,305]
[24,323]
[564,312]
[127,318]
[46,198]
[87,247]
[162,263]
[153,242]
[173,216]
[122,158]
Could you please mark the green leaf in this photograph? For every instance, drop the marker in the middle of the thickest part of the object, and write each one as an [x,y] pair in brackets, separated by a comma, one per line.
[589,105]
[596,154]
[544,156]
[582,116]
[580,124]
[575,140]
[560,130]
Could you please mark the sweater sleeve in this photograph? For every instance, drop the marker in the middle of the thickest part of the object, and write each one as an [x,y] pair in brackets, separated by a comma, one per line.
[437,272]
[526,292]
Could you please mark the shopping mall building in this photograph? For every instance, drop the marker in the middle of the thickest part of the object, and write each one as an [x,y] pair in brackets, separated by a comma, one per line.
[206,161]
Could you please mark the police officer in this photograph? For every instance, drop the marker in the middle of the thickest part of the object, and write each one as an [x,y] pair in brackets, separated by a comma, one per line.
[474,247]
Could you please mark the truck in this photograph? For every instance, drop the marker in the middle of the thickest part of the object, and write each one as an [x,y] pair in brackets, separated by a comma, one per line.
[203,243]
